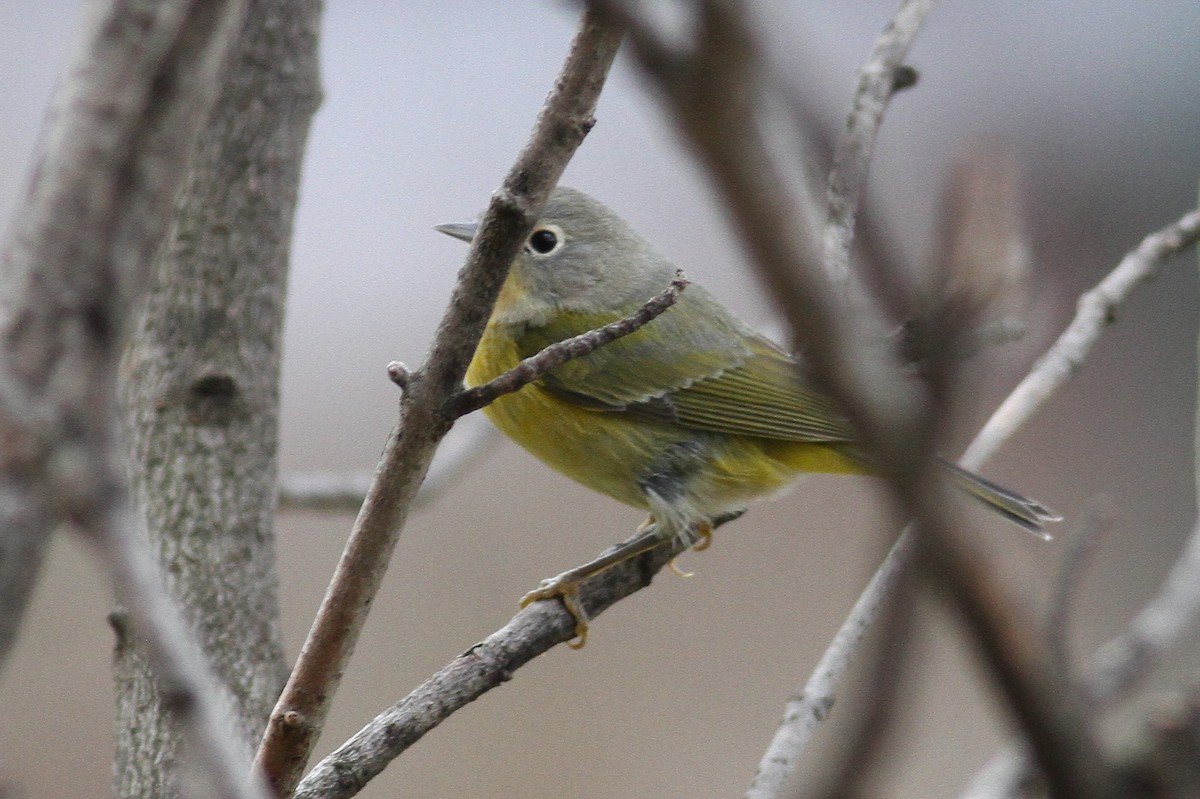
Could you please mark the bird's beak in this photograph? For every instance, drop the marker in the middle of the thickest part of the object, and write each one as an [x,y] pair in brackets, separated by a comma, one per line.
[459,230]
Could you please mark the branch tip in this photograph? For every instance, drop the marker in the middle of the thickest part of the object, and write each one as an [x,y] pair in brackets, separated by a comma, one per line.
[904,77]
[399,374]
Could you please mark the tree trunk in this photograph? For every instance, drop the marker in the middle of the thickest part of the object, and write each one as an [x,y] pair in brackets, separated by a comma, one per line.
[200,391]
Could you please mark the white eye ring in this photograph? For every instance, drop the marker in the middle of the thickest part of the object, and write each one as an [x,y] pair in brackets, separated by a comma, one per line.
[545,240]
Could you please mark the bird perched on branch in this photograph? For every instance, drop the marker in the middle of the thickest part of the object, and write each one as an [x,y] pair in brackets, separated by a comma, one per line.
[691,417]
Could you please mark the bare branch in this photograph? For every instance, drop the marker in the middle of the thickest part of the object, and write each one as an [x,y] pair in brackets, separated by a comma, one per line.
[845,773]
[877,82]
[465,448]
[565,119]
[118,136]
[712,91]
[481,668]
[804,712]
[533,367]
[200,394]
[323,491]
[1116,666]
[1126,657]
[1095,310]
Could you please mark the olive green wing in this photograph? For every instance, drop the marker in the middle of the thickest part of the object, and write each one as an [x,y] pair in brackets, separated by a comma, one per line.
[765,396]
[697,366]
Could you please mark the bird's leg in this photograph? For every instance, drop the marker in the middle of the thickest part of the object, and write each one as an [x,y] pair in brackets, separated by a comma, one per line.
[701,537]
[566,585]
[648,535]
[703,533]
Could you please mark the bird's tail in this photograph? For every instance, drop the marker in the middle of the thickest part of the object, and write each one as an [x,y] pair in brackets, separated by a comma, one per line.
[1025,512]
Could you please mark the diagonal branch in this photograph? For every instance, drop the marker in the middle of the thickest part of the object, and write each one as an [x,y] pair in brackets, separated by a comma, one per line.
[1049,375]
[805,711]
[710,90]
[564,121]
[535,366]
[1095,310]
[1115,667]
[878,79]
[485,666]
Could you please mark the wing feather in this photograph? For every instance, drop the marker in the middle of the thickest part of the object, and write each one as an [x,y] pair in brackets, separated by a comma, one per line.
[697,366]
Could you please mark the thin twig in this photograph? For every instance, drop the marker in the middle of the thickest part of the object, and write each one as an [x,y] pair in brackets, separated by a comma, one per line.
[877,82]
[323,490]
[565,119]
[535,366]
[805,711]
[845,774]
[1114,668]
[465,448]
[1095,310]
[1118,664]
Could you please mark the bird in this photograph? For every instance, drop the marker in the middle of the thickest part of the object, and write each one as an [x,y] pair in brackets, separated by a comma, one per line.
[691,417]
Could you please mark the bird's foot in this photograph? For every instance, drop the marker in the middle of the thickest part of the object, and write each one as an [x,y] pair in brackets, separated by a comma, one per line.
[702,534]
[566,588]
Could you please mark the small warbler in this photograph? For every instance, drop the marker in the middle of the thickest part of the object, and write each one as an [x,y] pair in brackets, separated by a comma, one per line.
[691,417]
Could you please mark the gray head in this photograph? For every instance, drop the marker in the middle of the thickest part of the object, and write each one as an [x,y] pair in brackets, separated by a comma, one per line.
[580,256]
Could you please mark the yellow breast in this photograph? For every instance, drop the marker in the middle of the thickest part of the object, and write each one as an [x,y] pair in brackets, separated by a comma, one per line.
[611,452]
[605,452]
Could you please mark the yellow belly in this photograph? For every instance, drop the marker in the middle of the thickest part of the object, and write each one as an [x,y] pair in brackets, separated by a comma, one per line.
[611,453]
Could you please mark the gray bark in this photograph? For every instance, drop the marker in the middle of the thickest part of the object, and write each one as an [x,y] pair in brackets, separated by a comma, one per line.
[200,389]
[116,140]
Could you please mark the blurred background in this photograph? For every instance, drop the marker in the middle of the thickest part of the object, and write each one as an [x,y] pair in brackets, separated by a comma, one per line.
[680,687]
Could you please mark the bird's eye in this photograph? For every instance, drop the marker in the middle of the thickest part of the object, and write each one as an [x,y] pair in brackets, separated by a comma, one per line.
[545,240]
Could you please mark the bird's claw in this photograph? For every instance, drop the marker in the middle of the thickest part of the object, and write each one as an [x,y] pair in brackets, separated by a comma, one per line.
[565,590]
